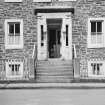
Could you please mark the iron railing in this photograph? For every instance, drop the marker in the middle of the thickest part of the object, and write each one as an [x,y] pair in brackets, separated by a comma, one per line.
[34,56]
[76,63]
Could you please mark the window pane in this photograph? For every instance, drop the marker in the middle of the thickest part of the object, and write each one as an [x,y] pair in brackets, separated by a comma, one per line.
[42,35]
[11,28]
[94,68]
[66,35]
[17,28]
[98,69]
[99,26]
[12,68]
[93,26]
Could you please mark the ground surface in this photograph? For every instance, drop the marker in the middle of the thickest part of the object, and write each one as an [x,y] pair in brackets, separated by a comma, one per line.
[53,97]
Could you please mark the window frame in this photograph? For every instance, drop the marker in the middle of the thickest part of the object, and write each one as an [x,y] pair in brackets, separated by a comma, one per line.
[13,0]
[89,43]
[7,45]
[96,62]
[14,62]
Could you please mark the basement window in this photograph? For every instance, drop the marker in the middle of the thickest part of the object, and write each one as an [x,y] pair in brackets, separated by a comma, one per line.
[14,68]
[96,68]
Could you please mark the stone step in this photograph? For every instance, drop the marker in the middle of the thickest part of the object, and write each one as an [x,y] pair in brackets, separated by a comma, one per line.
[54,79]
[48,65]
[53,63]
[54,71]
[54,74]
[54,68]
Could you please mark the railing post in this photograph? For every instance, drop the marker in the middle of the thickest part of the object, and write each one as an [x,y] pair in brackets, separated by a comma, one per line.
[76,64]
[31,68]
[76,68]
[32,63]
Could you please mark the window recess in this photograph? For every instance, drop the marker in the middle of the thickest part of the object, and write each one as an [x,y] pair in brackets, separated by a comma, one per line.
[96,37]
[14,68]
[96,69]
[42,35]
[13,33]
[96,32]
[67,35]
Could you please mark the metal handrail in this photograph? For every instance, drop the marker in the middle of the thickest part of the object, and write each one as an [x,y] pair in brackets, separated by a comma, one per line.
[34,56]
[76,64]
[74,51]
[74,57]
[35,62]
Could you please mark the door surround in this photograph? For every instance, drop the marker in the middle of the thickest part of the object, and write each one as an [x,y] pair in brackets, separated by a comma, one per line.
[66,51]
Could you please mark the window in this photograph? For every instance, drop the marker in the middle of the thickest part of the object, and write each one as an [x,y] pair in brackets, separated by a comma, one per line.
[42,33]
[66,35]
[96,33]
[13,0]
[96,68]
[14,68]
[41,0]
[42,36]
[13,34]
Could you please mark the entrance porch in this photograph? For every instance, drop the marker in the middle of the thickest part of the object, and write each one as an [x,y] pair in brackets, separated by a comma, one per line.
[54,36]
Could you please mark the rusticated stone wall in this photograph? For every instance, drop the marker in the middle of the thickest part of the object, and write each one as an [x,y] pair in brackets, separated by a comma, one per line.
[83,10]
[25,10]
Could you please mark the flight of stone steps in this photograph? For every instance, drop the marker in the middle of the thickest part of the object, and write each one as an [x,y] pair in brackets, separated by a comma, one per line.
[54,71]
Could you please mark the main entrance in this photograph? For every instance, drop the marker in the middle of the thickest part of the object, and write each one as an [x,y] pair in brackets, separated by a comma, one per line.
[54,36]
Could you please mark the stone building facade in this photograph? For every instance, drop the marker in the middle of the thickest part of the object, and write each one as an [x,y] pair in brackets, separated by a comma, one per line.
[80,33]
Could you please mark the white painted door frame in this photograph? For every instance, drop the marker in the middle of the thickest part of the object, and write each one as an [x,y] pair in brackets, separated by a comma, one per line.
[66,51]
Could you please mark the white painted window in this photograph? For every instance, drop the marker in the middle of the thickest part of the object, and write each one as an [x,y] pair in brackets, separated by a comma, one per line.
[96,33]
[41,0]
[96,69]
[13,0]
[14,68]
[13,33]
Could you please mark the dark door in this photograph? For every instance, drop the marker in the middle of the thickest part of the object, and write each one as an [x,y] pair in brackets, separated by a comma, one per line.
[54,43]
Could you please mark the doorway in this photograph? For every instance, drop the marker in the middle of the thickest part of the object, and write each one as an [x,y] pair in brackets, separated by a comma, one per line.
[54,36]
[54,43]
